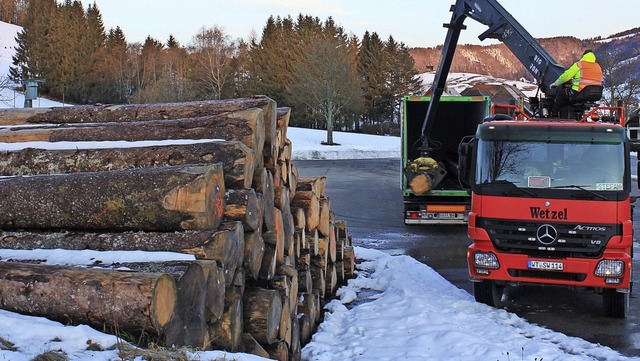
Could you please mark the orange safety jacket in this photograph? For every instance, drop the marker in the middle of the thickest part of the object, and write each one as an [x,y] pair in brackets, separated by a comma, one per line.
[590,74]
[582,73]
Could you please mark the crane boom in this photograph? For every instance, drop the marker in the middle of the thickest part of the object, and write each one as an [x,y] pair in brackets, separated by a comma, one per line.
[503,27]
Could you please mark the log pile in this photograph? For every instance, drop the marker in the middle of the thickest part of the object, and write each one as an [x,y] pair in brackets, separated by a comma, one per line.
[210,179]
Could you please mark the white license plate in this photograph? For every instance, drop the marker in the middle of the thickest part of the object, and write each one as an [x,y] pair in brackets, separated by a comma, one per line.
[545,265]
[445,215]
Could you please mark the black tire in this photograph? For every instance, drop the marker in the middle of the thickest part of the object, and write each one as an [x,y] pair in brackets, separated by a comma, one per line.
[615,304]
[487,292]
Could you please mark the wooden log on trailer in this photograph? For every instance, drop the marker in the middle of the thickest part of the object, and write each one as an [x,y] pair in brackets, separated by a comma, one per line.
[147,199]
[238,161]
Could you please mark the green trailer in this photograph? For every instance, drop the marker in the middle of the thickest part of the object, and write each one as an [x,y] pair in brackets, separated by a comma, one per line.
[445,202]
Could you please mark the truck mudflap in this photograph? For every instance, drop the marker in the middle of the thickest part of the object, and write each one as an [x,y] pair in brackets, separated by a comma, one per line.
[612,270]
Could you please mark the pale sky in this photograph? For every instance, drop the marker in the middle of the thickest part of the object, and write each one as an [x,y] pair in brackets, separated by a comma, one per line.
[417,23]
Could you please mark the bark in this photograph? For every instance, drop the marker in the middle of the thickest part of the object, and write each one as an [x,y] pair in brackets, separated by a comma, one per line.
[245,126]
[238,161]
[136,112]
[319,280]
[149,199]
[209,244]
[130,301]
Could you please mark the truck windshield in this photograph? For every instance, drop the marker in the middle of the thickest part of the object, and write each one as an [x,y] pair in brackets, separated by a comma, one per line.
[585,166]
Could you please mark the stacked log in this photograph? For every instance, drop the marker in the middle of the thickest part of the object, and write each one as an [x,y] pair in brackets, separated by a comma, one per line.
[214,180]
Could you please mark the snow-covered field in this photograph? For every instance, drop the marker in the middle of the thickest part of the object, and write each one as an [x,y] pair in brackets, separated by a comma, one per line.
[404,310]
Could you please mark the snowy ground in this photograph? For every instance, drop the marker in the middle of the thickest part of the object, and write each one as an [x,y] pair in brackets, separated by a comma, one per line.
[396,309]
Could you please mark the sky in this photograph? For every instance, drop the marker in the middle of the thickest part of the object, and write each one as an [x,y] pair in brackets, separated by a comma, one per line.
[417,23]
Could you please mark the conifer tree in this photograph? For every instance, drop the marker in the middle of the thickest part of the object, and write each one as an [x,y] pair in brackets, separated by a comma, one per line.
[371,66]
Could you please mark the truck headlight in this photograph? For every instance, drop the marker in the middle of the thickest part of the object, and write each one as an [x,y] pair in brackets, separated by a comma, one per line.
[610,268]
[486,260]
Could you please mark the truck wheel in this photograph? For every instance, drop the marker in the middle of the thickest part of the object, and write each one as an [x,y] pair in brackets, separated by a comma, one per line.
[487,292]
[615,304]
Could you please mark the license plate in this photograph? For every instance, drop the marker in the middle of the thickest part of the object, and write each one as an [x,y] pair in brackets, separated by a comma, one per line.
[445,215]
[545,265]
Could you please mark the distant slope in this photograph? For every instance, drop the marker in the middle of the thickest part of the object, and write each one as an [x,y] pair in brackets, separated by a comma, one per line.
[498,61]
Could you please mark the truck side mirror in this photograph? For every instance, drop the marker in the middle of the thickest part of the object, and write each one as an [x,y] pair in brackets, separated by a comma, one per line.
[465,157]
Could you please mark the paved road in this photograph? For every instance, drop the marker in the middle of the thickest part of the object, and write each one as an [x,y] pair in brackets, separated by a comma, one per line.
[366,193]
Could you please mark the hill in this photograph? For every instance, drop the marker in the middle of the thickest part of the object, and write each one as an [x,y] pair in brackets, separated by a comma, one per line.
[498,61]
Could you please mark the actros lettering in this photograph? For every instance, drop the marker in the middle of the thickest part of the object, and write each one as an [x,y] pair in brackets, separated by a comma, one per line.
[539,213]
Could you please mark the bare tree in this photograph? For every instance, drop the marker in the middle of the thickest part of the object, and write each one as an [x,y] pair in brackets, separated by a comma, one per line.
[621,78]
[326,80]
[6,85]
[212,52]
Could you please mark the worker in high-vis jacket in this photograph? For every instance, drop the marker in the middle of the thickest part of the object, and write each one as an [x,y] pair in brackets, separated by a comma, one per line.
[581,74]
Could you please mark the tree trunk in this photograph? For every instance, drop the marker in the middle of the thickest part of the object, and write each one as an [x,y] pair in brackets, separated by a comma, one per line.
[136,112]
[323,223]
[189,325]
[308,201]
[238,161]
[263,183]
[250,345]
[283,115]
[207,245]
[130,301]
[262,313]
[242,205]
[227,332]
[246,126]
[148,199]
[253,253]
[312,184]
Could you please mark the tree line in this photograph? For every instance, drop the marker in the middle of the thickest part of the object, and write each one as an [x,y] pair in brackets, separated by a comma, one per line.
[331,79]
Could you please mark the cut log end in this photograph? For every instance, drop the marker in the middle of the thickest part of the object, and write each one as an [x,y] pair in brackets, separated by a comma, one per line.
[163,300]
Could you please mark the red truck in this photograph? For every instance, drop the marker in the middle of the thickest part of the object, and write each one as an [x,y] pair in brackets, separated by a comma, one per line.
[551,199]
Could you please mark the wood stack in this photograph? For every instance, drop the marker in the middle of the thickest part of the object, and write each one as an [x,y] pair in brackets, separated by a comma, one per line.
[210,179]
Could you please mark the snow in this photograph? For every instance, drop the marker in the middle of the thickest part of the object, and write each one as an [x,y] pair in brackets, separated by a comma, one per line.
[396,308]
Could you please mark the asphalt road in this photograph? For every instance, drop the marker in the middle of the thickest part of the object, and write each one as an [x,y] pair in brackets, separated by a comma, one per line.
[367,194]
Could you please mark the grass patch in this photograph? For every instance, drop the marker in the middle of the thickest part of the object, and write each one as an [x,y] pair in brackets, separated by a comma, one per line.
[51,356]
[7,345]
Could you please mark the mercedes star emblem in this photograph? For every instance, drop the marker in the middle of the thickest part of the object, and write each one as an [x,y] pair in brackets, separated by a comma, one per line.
[546,234]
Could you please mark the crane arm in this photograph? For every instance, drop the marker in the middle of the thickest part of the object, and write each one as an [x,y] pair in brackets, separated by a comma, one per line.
[503,27]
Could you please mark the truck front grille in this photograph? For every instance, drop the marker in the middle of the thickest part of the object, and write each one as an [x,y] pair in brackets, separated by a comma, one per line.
[572,240]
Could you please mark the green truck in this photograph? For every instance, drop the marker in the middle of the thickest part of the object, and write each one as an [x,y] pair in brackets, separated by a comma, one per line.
[431,190]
